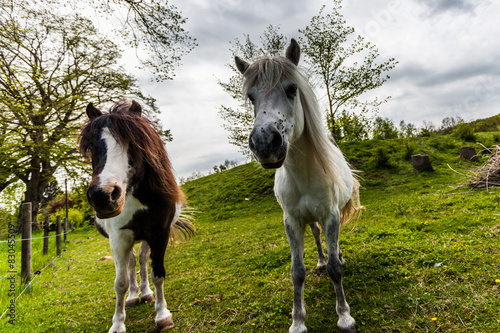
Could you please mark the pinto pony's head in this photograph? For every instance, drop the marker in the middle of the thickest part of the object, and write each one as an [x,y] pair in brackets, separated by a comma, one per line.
[125,150]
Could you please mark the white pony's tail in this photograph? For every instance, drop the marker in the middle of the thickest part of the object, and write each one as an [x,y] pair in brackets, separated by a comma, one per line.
[352,209]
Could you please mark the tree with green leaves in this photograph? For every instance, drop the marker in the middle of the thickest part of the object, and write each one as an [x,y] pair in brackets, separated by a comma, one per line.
[332,49]
[384,128]
[51,67]
[325,42]
[407,130]
[352,127]
[239,121]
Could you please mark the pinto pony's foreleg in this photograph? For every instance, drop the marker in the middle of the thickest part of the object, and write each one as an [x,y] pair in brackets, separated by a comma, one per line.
[133,290]
[146,292]
[295,234]
[163,316]
[334,267]
[316,231]
[121,249]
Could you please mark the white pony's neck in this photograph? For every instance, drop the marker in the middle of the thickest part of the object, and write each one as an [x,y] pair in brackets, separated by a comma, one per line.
[311,153]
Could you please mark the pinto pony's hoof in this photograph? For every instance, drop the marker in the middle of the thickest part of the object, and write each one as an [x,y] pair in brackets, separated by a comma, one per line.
[131,303]
[164,325]
[148,299]
[349,330]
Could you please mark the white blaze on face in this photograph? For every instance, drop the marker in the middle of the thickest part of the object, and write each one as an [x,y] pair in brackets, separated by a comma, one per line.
[115,170]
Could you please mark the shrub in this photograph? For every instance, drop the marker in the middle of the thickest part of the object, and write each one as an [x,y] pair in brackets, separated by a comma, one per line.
[409,149]
[442,143]
[380,159]
[465,132]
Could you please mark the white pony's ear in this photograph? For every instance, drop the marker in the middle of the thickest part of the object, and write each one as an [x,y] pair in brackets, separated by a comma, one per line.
[242,65]
[293,52]
[135,108]
[93,112]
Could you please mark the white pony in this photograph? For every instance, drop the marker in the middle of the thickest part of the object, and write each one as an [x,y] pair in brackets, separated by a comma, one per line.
[313,181]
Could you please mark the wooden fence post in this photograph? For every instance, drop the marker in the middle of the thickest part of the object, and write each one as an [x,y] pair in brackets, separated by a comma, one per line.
[58,235]
[46,235]
[65,229]
[26,243]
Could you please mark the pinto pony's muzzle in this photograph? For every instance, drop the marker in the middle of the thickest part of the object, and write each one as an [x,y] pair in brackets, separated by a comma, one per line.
[268,146]
[107,200]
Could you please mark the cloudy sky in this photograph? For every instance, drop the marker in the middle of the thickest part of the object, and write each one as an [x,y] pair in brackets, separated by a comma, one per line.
[448,53]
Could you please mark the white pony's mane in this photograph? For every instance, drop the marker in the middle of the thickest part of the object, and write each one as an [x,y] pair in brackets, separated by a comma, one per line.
[269,73]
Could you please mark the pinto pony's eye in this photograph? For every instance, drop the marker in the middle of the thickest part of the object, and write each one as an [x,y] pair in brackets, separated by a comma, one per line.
[291,91]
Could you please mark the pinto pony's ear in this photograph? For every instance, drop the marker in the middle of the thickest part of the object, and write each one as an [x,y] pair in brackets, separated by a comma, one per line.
[293,52]
[135,108]
[93,112]
[242,65]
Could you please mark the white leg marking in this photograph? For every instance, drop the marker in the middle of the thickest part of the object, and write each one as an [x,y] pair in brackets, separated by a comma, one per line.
[121,245]
[133,291]
[143,262]
[162,312]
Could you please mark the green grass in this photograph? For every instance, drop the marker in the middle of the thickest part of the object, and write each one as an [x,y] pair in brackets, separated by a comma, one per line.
[422,250]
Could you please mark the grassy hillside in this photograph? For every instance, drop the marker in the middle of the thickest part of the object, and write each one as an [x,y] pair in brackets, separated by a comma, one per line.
[422,258]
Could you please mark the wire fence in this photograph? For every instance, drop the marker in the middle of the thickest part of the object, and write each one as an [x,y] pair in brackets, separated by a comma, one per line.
[25,239]
[28,285]
[26,251]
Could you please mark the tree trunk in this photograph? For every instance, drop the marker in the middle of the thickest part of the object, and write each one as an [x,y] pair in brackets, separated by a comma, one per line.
[35,185]
[421,162]
[468,153]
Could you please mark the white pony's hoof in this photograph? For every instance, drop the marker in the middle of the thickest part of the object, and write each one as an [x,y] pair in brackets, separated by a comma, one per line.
[117,329]
[131,303]
[298,328]
[148,299]
[320,269]
[347,325]
[164,325]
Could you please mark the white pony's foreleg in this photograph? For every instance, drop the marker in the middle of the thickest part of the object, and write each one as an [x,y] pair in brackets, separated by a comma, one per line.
[346,323]
[163,316]
[321,266]
[146,292]
[295,234]
[121,248]
[133,290]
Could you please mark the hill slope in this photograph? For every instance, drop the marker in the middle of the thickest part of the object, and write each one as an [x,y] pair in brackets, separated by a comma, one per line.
[415,259]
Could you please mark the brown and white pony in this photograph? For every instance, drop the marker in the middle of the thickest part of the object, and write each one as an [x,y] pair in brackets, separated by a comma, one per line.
[313,184]
[135,197]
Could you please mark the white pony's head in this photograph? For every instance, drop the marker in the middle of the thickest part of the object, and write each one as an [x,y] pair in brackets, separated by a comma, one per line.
[271,84]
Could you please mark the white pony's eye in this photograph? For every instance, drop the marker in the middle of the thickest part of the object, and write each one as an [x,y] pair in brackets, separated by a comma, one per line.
[291,91]
[251,98]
